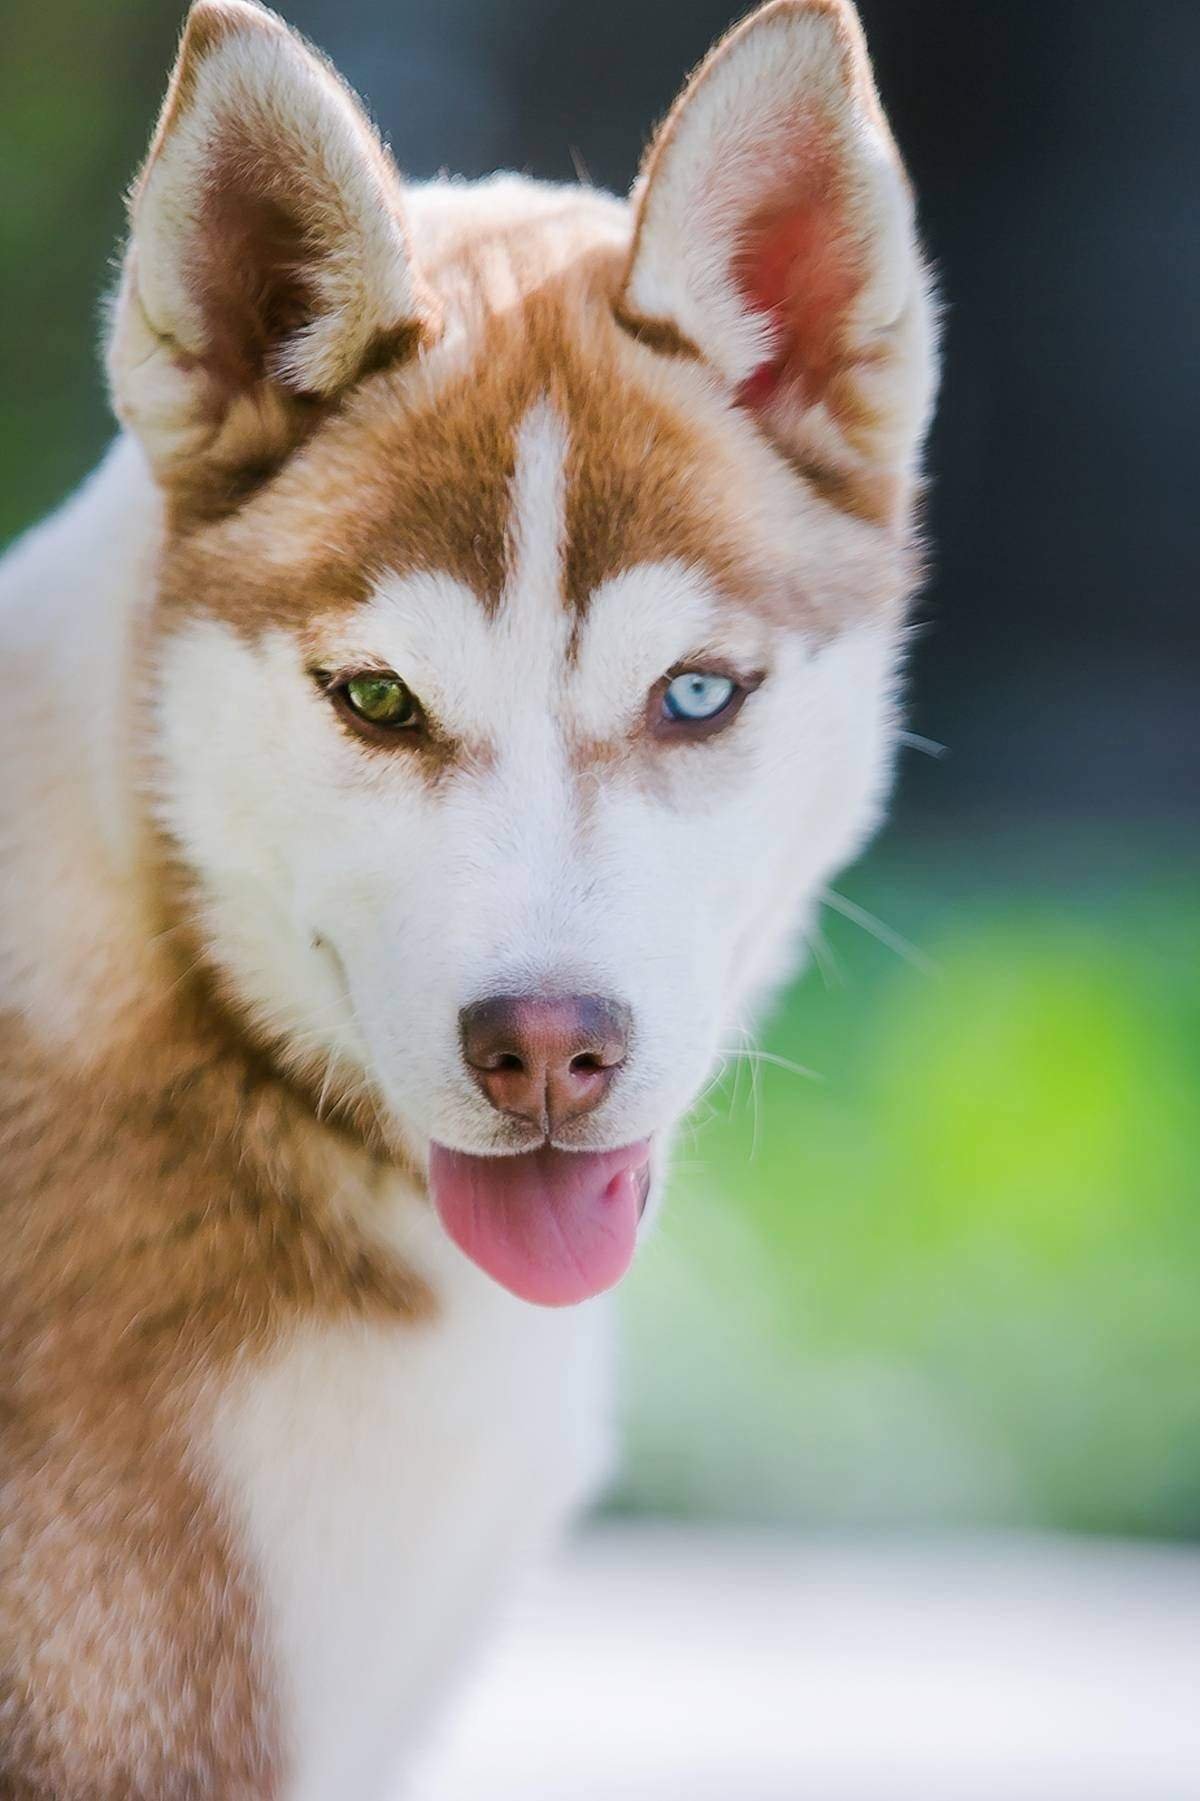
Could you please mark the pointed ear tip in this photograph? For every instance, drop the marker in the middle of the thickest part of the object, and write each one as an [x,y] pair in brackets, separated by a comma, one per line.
[818,44]
[233,12]
[839,15]
[836,22]
[210,22]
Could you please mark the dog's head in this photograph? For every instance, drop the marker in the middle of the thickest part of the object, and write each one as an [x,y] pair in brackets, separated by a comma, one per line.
[532,589]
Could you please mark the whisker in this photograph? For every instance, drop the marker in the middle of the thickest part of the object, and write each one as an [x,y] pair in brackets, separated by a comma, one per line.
[929,747]
[712,1087]
[186,974]
[821,951]
[737,1080]
[875,928]
[795,1069]
[749,1054]
[326,1082]
[180,925]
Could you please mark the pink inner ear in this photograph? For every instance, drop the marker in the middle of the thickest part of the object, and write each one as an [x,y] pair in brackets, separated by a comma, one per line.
[796,265]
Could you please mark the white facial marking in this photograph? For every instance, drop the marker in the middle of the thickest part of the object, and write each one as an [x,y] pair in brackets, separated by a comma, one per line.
[537,524]
[637,625]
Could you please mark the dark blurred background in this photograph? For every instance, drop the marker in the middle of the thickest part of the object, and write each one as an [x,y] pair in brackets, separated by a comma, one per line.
[957,1277]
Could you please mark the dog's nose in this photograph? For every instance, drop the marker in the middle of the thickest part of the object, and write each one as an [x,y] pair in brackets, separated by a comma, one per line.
[545,1060]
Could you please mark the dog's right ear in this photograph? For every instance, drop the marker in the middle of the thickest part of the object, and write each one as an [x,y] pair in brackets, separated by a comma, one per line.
[268,266]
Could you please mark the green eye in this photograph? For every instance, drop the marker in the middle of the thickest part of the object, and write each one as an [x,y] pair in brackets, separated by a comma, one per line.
[382,700]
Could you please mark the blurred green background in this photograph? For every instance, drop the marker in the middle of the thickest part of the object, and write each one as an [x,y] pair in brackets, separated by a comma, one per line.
[953,1274]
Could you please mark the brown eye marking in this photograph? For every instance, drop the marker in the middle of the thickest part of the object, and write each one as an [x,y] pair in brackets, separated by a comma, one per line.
[375,703]
[697,699]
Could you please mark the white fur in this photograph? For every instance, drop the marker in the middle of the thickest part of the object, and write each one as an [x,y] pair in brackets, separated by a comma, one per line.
[390,1483]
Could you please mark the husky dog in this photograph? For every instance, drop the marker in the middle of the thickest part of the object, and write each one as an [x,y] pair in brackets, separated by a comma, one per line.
[425,735]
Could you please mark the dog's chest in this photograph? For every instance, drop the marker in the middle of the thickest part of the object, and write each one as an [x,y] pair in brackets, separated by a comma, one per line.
[386,1481]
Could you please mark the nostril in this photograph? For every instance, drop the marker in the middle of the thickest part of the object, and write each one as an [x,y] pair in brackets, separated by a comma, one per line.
[544,1058]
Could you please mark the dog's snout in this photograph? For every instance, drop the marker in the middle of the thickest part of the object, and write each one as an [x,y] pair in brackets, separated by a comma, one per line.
[545,1060]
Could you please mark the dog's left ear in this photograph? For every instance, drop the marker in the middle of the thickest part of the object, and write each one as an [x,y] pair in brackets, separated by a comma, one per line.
[268,265]
[775,238]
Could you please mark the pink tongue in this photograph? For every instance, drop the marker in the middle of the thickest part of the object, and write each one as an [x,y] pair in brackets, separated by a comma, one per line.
[553,1226]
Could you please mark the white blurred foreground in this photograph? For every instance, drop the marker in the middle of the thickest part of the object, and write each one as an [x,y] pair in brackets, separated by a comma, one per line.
[665,1664]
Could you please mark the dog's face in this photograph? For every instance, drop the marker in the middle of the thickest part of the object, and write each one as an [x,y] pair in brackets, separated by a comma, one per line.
[531,597]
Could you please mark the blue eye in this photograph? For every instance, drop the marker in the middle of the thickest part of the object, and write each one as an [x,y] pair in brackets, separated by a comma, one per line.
[694,695]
